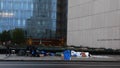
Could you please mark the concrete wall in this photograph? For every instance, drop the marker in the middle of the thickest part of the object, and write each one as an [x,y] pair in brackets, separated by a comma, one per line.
[94,23]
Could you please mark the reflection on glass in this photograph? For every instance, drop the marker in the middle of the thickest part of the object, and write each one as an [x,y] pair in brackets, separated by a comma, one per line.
[36,17]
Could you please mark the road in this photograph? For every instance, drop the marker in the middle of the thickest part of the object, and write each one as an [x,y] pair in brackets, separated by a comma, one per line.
[21,64]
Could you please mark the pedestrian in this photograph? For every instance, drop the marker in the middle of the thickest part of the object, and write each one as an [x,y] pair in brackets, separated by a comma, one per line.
[8,52]
[33,51]
[28,51]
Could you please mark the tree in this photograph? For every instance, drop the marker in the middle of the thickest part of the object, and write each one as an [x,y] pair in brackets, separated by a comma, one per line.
[18,36]
[5,36]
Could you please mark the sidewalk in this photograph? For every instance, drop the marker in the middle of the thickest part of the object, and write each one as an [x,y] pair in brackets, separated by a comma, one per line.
[53,58]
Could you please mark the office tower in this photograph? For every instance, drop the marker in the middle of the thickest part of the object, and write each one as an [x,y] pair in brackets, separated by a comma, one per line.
[42,23]
[40,19]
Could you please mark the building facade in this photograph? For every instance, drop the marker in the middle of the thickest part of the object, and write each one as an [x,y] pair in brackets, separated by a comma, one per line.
[94,23]
[61,26]
[13,13]
[43,22]
[41,19]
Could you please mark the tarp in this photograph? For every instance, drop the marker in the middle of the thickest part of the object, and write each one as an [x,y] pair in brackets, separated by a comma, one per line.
[80,54]
[67,55]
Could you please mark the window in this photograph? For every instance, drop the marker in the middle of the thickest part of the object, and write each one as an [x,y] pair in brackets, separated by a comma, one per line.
[1,5]
[39,23]
[24,23]
[19,23]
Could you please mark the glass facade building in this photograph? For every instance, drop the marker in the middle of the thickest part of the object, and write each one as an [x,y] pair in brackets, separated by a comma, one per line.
[14,13]
[40,19]
[61,26]
[37,17]
[43,22]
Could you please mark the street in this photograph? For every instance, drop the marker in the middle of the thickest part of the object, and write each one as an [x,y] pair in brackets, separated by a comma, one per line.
[21,64]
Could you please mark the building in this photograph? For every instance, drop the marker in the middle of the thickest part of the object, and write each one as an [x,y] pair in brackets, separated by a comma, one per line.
[13,13]
[94,23]
[41,19]
[43,22]
[61,26]
[49,22]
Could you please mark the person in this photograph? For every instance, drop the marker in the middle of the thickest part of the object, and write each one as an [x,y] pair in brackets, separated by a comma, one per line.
[28,51]
[8,52]
[33,51]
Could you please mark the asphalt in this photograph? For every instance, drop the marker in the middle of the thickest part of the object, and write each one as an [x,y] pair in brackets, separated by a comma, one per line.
[94,58]
[20,64]
[96,61]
